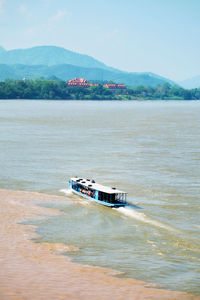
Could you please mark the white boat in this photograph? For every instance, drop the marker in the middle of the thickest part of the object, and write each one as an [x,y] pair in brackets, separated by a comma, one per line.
[89,189]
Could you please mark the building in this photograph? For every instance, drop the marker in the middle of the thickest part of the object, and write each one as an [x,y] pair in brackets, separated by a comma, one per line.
[81,82]
[114,86]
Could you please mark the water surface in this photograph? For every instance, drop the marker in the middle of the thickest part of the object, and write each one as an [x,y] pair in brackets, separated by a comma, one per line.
[149,149]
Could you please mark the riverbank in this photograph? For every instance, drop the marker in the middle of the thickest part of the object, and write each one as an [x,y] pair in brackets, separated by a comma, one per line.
[32,270]
[44,89]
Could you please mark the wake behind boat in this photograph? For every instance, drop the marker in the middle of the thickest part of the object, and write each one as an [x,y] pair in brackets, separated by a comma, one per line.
[89,189]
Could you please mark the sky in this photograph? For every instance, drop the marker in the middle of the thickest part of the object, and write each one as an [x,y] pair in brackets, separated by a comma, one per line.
[159,36]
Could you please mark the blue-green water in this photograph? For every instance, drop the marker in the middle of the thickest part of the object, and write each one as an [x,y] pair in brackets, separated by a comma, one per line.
[149,149]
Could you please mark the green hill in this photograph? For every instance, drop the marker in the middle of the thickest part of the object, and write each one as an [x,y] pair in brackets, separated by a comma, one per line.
[66,72]
[49,56]
[49,61]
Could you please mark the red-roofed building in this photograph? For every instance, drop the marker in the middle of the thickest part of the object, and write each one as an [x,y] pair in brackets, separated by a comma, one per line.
[81,82]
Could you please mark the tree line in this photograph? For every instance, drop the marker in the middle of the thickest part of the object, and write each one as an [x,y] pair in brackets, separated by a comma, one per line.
[58,90]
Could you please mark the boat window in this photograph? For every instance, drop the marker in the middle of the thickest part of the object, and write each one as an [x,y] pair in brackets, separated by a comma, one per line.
[112,198]
[120,197]
[100,196]
[103,196]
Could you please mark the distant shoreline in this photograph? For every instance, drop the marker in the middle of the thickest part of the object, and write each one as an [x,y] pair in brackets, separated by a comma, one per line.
[39,270]
[104,100]
[42,89]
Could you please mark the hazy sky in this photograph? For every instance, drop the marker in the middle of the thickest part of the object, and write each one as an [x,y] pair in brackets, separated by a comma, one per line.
[159,36]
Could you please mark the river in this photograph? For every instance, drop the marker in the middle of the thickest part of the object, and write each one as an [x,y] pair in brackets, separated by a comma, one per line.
[148,148]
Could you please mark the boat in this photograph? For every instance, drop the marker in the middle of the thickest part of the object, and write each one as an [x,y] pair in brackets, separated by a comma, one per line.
[89,189]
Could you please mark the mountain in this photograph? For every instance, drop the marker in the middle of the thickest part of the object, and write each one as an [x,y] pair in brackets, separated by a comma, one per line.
[190,83]
[66,72]
[50,61]
[49,56]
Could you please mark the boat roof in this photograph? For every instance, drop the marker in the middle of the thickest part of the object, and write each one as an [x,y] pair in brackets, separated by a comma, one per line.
[92,184]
